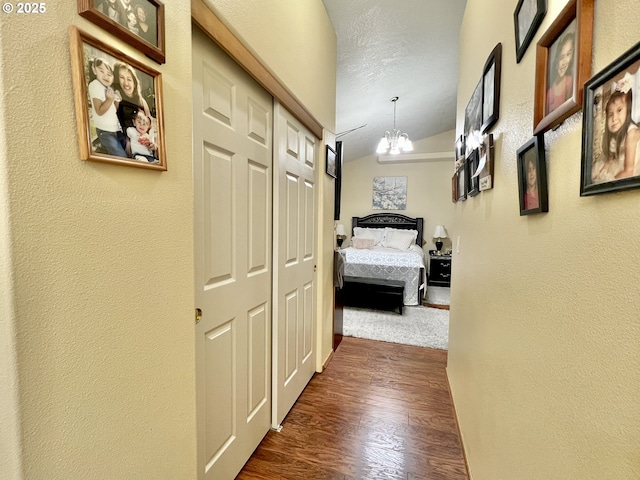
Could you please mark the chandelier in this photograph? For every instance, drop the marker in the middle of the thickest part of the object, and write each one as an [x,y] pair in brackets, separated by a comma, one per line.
[394,141]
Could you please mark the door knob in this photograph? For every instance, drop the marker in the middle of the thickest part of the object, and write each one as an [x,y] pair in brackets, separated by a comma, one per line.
[198,315]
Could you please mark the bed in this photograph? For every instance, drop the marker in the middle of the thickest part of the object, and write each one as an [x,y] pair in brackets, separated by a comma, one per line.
[377,258]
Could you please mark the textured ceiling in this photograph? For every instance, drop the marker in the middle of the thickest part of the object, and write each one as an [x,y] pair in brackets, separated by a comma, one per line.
[389,48]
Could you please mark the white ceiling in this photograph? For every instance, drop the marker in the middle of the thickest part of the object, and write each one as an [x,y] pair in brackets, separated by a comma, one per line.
[395,48]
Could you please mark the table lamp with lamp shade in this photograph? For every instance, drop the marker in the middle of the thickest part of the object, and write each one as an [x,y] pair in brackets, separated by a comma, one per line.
[341,234]
[439,234]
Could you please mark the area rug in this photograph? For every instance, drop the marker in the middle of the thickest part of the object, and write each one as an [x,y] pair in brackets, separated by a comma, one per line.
[438,295]
[420,326]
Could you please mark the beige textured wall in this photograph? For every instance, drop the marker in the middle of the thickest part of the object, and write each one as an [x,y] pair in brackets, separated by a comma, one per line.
[102,268]
[428,186]
[543,351]
[9,402]
[97,260]
[296,40]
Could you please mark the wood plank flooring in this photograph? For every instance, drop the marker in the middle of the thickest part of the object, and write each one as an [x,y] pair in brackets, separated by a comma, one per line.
[379,411]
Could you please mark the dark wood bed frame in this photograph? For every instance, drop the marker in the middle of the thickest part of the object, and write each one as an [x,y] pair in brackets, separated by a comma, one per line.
[391,220]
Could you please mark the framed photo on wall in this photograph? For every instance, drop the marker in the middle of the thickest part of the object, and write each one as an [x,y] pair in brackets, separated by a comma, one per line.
[491,88]
[118,104]
[485,169]
[473,117]
[527,19]
[390,193]
[338,182]
[610,134]
[331,168]
[454,187]
[461,189]
[140,23]
[563,65]
[459,151]
[532,177]
[472,181]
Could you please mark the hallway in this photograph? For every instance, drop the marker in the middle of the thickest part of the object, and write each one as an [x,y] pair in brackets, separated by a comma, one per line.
[378,411]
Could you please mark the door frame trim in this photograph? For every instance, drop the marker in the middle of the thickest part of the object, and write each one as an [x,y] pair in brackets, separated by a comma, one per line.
[211,25]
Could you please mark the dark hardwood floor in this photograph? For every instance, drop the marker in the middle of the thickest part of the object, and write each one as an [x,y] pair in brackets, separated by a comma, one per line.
[378,411]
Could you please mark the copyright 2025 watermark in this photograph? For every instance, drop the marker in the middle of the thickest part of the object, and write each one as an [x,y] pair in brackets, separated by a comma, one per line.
[22,8]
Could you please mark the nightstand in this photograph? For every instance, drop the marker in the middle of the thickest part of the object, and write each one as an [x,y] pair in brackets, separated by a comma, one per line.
[440,270]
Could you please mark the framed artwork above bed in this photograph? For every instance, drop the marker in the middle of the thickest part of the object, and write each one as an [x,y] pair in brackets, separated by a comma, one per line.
[390,193]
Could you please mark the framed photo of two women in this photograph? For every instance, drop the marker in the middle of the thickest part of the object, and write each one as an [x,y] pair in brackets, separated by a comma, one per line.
[118,104]
[140,23]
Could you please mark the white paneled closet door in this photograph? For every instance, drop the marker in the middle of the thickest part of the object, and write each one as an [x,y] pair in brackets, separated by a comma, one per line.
[295,256]
[232,159]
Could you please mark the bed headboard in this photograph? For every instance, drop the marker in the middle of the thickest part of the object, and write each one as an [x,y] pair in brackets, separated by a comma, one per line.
[391,220]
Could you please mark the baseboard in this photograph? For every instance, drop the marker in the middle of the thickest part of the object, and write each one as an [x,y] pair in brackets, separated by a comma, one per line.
[326,362]
[436,305]
[455,416]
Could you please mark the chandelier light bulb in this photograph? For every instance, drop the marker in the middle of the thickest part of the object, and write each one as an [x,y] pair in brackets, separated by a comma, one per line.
[394,141]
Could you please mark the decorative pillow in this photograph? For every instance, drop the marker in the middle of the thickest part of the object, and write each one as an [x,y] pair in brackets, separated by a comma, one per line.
[399,239]
[359,242]
[376,233]
[390,230]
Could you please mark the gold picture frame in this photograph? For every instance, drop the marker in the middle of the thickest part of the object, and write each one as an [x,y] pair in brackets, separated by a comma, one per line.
[118,103]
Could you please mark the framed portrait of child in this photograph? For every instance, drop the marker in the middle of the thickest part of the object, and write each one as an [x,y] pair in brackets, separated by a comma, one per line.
[611,131]
[563,65]
[532,177]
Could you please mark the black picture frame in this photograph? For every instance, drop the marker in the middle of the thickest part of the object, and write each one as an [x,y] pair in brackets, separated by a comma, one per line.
[151,43]
[526,23]
[558,96]
[532,153]
[461,189]
[472,182]
[459,151]
[473,116]
[491,88]
[331,163]
[338,182]
[615,83]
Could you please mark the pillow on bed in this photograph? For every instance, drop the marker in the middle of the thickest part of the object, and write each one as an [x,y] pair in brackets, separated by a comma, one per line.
[359,242]
[391,230]
[376,233]
[399,239]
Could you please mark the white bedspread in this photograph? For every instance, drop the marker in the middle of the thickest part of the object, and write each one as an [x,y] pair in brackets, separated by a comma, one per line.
[391,264]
